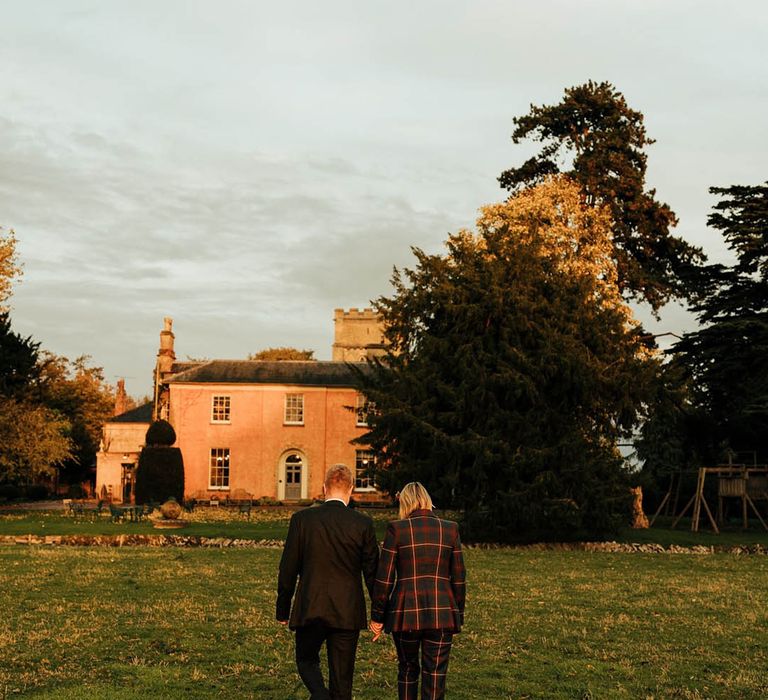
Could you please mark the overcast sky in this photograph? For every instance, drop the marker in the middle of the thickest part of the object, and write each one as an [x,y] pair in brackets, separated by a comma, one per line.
[246,167]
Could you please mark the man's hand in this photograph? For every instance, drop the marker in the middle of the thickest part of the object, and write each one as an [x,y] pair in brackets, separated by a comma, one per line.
[376,628]
[283,622]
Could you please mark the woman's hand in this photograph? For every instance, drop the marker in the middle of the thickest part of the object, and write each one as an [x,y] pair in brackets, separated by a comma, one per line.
[376,628]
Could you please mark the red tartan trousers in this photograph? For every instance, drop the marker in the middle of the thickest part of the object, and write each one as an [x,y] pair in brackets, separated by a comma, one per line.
[435,647]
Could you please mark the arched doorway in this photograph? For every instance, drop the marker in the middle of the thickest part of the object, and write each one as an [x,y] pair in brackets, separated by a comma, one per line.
[293,476]
[128,481]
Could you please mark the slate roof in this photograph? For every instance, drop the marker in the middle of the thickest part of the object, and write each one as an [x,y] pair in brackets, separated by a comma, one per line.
[177,367]
[140,414]
[314,373]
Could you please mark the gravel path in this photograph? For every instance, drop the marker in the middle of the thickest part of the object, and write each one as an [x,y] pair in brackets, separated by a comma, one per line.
[36,505]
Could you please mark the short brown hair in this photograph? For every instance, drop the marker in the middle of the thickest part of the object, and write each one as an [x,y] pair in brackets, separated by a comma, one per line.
[338,477]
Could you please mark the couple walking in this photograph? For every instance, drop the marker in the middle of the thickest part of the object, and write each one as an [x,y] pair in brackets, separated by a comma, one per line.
[416,588]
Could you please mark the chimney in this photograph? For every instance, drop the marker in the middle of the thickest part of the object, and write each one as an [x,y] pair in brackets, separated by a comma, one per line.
[165,359]
[121,398]
[166,355]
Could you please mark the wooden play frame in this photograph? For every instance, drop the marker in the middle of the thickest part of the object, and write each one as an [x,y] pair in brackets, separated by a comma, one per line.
[733,482]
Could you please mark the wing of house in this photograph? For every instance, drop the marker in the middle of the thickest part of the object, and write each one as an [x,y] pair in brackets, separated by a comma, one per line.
[121,443]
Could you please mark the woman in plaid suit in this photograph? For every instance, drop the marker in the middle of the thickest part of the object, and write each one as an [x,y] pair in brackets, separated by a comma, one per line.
[419,593]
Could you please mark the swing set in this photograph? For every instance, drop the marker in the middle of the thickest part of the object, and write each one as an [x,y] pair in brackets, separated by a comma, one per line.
[734,481]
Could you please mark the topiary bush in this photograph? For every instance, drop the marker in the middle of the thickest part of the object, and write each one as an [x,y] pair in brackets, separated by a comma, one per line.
[160,473]
[160,434]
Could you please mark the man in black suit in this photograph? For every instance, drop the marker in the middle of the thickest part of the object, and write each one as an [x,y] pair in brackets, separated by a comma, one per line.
[329,547]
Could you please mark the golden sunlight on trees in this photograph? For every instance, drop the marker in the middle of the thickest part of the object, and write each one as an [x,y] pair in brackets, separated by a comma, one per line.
[515,368]
[9,267]
[594,136]
[554,218]
[282,354]
[34,440]
[77,392]
[51,409]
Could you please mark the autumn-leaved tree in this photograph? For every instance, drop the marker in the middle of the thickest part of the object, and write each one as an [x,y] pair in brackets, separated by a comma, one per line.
[597,139]
[514,369]
[33,437]
[79,393]
[282,355]
[33,441]
[9,266]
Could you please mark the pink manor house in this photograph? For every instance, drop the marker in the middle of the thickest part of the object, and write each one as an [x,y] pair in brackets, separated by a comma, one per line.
[251,429]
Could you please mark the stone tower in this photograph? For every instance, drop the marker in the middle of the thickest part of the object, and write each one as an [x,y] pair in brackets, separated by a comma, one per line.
[357,335]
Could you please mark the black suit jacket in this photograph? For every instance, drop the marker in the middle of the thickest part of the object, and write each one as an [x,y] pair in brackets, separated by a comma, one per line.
[330,548]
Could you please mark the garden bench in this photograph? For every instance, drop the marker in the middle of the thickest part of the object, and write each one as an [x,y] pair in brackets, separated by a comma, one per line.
[75,508]
[134,513]
[98,510]
[117,513]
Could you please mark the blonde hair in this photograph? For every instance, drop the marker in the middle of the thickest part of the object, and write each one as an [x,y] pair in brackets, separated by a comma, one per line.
[414,497]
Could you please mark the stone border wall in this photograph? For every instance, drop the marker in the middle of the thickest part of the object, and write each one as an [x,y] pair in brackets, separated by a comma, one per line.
[138,541]
[630,548]
[222,542]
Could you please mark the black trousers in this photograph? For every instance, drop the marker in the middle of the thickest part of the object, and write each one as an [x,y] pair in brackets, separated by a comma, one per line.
[435,648]
[341,646]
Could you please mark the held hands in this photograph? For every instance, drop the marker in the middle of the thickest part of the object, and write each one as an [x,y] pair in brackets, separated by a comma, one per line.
[376,628]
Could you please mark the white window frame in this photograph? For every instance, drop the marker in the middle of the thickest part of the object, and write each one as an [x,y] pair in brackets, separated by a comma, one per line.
[293,409]
[282,476]
[223,454]
[226,408]
[359,455]
[363,408]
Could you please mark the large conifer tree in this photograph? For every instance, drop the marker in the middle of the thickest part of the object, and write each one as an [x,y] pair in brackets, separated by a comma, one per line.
[727,358]
[514,368]
[18,360]
[596,138]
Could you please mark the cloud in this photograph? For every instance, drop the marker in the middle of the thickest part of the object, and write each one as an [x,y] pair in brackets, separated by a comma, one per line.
[114,236]
[248,168]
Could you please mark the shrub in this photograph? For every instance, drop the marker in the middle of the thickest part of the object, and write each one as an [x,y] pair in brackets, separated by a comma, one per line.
[160,475]
[9,492]
[160,434]
[267,501]
[36,492]
[75,491]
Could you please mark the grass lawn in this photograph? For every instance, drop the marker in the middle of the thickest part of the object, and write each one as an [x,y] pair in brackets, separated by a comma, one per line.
[139,622]
[266,524]
[662,533]
[272,523]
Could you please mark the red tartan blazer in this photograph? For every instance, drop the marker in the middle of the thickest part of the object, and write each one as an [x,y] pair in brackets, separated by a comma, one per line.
[420,582]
